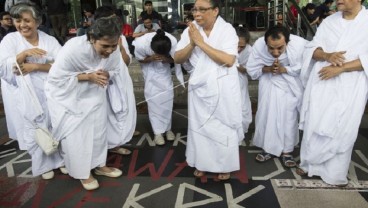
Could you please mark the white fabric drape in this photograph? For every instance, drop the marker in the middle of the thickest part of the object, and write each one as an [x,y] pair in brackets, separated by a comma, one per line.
[158,84]
[243,81]
[79,109]
[214,104]
[279,96]
[332,109]
[24,112]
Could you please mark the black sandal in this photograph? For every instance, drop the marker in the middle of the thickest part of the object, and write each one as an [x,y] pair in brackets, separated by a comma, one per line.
[288,160]
[263,157]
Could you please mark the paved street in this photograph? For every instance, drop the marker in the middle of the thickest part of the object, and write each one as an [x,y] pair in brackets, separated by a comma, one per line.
[159,177]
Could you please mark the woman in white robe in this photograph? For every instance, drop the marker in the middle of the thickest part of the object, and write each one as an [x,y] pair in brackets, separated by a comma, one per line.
[76,93]
[244,50]
[335,73]
[34,51]
[154,51]
[214,100]
[277,64]
[122,113]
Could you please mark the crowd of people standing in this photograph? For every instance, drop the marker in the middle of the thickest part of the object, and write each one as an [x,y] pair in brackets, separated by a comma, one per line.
[84,94]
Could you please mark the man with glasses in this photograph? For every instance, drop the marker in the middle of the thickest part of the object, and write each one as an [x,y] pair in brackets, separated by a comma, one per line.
[6,24]
[276,60]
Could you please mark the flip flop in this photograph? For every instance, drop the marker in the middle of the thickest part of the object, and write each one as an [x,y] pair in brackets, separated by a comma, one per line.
[263,157]
[288,160]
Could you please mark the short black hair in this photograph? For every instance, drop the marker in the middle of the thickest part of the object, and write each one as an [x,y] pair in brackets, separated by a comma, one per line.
[104,11]
[145,17]
[328,2]
[161,44]
[243,32]
[2,14]
[147,2]
[276,32]
[310,6]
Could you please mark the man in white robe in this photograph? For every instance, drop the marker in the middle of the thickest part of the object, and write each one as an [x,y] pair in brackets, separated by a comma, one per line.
[23,110]
[158,85]
[244,50]
[335,73]
[276,61]
[214,100]
[122,117]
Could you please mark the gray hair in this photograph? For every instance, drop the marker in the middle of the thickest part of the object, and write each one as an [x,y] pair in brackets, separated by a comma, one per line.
[105,26]
[17,10]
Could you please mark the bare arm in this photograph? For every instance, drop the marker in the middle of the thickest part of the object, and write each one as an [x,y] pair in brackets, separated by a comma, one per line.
[182,55]
[331,71]
[124,54]
[335,58]
[217,56]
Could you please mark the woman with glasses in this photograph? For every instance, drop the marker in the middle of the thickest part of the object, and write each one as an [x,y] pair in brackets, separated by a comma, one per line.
[214,102]
[34,51]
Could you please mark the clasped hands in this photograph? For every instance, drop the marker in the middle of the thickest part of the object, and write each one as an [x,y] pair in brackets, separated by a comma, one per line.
[99,77]
[194,35]
[276,68]
[160,58]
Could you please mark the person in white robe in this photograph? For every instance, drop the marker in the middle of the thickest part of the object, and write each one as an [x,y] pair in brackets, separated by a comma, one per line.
[34,51]
[154,51]
[335,72]
[276,60]
[76,91]
[214,100]
[122,115]
[244,50]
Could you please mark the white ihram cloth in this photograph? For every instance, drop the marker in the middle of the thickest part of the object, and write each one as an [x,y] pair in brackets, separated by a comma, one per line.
[29,111]
[243,81]
[214,104]
[332,109]
[122,112]
[279,96]
[78,110]
[158,84]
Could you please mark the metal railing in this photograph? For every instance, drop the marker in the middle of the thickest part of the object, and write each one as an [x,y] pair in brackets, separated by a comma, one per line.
[279,13]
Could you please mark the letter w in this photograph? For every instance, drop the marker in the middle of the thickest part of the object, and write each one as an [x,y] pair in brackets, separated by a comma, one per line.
[155,175]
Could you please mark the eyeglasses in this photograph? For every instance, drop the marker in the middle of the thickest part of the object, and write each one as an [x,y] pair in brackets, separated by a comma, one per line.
[200,9]
[7,19]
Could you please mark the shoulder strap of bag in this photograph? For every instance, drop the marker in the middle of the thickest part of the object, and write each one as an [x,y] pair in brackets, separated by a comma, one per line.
[34,98]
